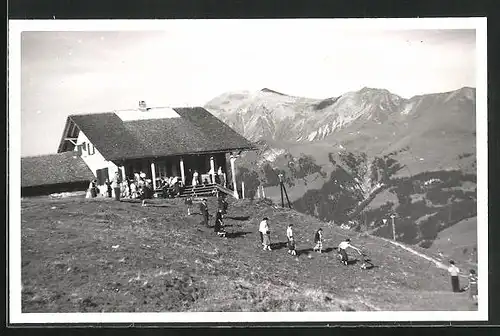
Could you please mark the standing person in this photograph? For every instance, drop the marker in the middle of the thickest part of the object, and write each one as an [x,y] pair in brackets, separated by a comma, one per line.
[222,204]
[472,287]
[343,246]
[194,182]
[291,240]
[318,240]
[177,187]
[93,189]
[204,211]
[453,270]
[115,184]
[108,188]
[219,224]
[189,204]
[262,229]
[266,232]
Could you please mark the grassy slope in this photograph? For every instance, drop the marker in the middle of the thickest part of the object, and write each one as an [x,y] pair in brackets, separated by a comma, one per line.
[459,242]
[167,261]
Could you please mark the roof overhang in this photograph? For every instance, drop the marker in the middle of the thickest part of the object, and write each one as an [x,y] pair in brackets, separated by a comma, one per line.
[69,136]
[228,150]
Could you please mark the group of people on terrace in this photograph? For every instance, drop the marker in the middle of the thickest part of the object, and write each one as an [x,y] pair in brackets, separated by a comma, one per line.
[141,186]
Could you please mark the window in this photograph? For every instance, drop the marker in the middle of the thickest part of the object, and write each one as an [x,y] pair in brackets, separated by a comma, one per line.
[91,149]
[102,176]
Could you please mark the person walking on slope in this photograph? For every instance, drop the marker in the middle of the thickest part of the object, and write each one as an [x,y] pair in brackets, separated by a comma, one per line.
[204,211]
[453,270]
[343,246]
[265,232]
[219,225]
[291,240]
[472,286]
[189,203]
[318,240]
[265,219]
[222,204]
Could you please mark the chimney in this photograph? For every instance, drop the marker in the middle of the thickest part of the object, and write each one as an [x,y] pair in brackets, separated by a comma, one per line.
[142,106]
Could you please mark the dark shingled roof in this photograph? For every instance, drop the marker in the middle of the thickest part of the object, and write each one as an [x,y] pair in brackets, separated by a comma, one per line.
[196,131]
[60,168]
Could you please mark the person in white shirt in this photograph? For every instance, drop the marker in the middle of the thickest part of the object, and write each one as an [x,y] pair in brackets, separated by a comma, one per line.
[194,182]
[343,246]
[453,270]
[116,185]
[264,234]
[291,240]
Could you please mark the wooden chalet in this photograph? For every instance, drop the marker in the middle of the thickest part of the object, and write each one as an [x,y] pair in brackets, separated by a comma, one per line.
[159,142]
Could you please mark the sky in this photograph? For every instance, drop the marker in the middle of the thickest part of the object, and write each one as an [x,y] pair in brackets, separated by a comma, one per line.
[190,62]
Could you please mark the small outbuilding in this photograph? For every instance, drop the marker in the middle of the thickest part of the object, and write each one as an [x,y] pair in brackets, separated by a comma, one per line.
[54,173]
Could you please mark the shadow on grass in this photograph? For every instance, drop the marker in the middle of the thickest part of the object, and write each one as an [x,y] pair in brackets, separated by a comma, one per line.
[304,251]
[369,265]
[239,218]
[352,262]
[237,234]
[329,249]
[278,246]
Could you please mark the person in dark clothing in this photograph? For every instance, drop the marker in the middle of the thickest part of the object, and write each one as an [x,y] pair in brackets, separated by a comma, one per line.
[453,270]
[219,224]
[224,206]
[318,240]
[109,189]
[93,189]
[204,211]
[177,188]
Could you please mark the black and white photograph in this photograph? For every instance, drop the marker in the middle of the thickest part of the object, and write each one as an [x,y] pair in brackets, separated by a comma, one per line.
[263,170]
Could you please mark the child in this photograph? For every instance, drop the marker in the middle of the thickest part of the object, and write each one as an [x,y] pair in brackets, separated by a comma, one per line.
[291,240]
[472,287]
[453,270]
[318,240]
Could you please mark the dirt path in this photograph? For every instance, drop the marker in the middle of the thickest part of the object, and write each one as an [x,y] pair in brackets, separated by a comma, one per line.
[421,255]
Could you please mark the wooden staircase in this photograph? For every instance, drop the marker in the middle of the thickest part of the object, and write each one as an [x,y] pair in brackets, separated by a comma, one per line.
[205,190]
[201,190]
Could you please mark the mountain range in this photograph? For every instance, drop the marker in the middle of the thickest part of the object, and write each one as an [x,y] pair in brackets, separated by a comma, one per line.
[358,157]
[374,121]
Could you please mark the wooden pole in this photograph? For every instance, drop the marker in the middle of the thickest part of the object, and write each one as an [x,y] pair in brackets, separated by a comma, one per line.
[286,194]
[183,175]
[153,175]
[258,192]
[242,189]
[212,169]
[282,200]
[233,173]
[263,192]
[393,228]
[124,177]
[281,190]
